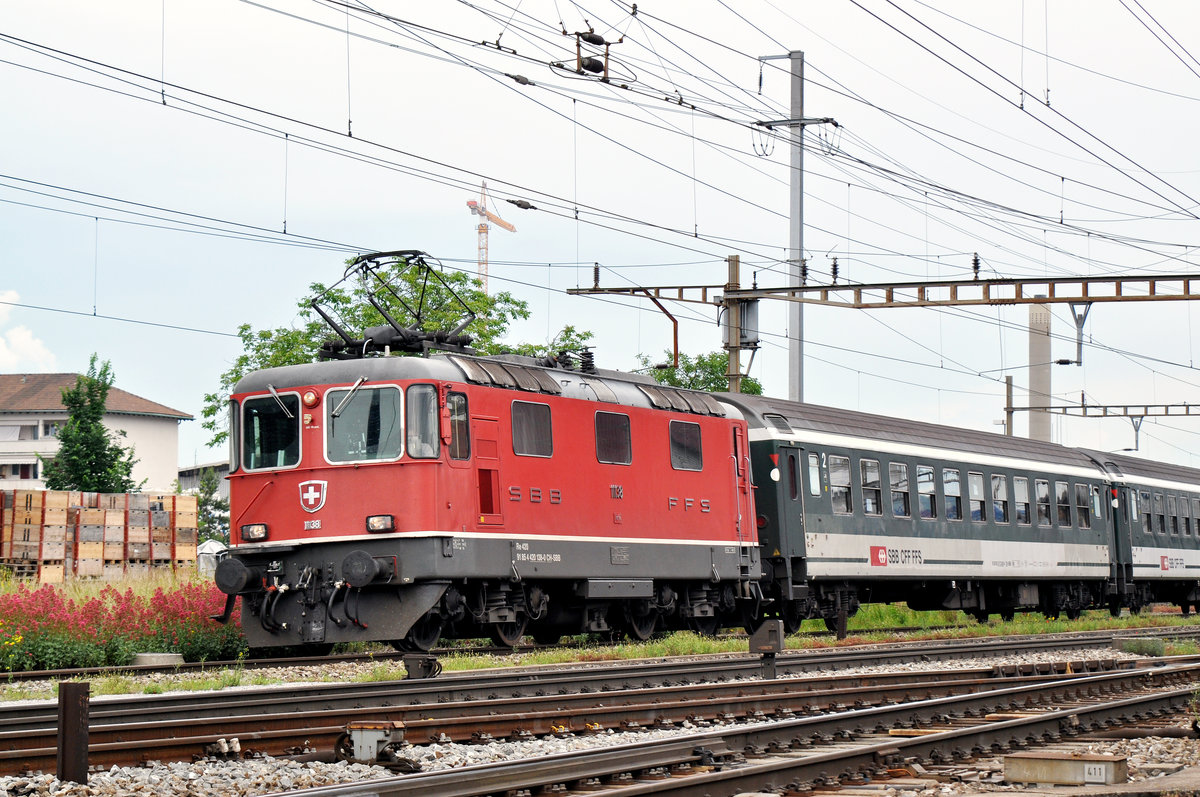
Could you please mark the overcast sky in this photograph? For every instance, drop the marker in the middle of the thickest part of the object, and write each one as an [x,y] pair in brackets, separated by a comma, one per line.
[153,153]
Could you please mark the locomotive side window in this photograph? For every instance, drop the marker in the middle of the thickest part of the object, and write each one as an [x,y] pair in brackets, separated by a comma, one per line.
[839,484]
[363,424]
[424,440]
[271,432]
[926,498]
[531,432]
[235,429]
[460,426]
[898,478]
[1021,487]
[872,492]
[1082,507]
[1172,518]
[952,487]
[613,446]
[814,474]
[686,453]
[1159,525]
[1043,501]
[1062,492]
[1000,498]
[977,502]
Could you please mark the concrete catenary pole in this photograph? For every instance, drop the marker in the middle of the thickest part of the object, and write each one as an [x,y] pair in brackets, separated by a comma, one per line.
[1039,371]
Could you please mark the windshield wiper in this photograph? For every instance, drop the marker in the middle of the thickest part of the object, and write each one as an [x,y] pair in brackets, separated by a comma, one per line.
[279,401]
[338,410]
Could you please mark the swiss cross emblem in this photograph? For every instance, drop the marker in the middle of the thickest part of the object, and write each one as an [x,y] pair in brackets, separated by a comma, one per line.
[879,556]
[312,494]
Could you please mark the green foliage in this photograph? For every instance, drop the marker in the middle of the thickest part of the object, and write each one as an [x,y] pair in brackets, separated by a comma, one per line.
[213,510]
[1149,646]
[268,348]
[700,372]
[90,457]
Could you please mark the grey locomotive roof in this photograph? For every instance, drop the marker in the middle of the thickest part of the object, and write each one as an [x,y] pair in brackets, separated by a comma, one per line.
[348,372]
[832,420]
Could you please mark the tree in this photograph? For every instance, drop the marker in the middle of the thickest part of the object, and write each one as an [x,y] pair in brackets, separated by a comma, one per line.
[213,511]
[268,348]
[90,456]
[701,372]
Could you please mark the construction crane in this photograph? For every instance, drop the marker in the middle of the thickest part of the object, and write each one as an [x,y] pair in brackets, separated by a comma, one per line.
[480,209]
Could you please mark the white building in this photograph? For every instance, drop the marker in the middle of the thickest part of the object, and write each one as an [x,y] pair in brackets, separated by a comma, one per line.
[32,412]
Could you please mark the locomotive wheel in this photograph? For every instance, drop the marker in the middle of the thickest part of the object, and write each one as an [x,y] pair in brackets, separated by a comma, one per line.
[1073,612]
[1007,615]
[981,615]
[792,616]
[641,627]
[508,635]
[423,636]
[546,636]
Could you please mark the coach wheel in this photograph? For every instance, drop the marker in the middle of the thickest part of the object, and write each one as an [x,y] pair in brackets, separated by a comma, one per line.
[1007,615]
[981,615]
[1114,607]
[793,617]
[1073,612]
[423,636]
[705,626]
[508,635]
[546,636]
[317,648]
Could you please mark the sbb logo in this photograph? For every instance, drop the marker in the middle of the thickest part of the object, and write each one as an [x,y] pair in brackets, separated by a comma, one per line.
[879,557]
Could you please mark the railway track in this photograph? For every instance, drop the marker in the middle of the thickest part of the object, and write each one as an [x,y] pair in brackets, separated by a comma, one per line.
[797,755]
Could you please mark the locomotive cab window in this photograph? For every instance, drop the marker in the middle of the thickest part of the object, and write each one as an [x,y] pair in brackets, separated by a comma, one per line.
[271,431]
[613,446]
[460,426]
[363,424]
[235,434]
[952,487]
[839,484]
[686,453]
[424,439]
[531,432]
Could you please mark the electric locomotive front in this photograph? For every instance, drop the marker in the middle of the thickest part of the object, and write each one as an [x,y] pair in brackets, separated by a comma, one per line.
[405,498]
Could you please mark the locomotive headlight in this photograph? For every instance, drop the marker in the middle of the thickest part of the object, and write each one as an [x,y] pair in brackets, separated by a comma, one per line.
[381,523]
[254,532]
[310,398]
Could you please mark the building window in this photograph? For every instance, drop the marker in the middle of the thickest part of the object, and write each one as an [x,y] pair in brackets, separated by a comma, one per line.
[898,478]
[926,498]
[1082,507]
[952,487]
[532,435]
[613,446]
[50,429]
[1021,487]
[839,484]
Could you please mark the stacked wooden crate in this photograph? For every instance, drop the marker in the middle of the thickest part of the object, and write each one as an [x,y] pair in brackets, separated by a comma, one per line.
[55,534]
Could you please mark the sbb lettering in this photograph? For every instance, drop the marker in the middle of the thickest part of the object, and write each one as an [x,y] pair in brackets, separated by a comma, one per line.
[535,495]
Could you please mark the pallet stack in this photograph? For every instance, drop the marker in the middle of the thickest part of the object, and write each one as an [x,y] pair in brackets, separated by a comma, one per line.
[53,535]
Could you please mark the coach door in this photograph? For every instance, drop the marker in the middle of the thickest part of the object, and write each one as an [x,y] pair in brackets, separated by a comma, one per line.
[793,480]
[485,433]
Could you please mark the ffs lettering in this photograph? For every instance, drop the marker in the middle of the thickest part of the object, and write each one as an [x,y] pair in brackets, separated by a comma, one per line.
[690,504]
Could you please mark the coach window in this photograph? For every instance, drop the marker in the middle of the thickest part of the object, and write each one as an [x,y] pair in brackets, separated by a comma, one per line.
[424,440]
[1043,501]
[1159,522]
[999,498]
[532,435]
[977,501]
[898,478]
[1172,517]
[1021,488]
[814,474]
[1062,492]
[685,446]
[952,487]
[1082,507]
[872,491]
[1144,511]
[793,477]
[1196,515]
[1185,526]
[613,446]
[839,484]
[460,426]
[271,431]
[926,498]
[364,424]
